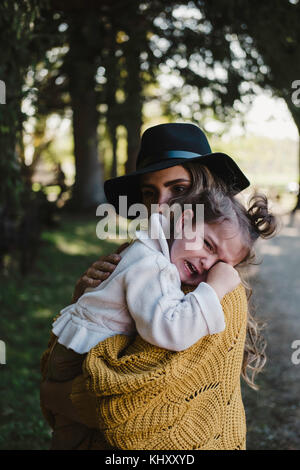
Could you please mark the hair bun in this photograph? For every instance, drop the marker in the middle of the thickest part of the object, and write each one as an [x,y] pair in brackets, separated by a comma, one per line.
[264,221]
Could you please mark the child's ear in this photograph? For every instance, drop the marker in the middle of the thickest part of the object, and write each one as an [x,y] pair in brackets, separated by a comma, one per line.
[185,217]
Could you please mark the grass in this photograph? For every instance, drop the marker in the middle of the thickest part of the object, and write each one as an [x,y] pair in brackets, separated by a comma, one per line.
[28,306]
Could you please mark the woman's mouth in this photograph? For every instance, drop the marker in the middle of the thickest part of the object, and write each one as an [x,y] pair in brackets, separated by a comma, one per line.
[190,268]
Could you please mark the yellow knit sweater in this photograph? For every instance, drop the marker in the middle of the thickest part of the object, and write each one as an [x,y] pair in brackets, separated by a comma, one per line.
[138,396]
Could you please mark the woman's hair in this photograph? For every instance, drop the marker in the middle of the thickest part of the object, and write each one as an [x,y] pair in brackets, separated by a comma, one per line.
[203,178]
[254,223]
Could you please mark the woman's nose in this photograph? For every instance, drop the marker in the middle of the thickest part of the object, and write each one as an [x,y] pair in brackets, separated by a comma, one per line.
[162,202]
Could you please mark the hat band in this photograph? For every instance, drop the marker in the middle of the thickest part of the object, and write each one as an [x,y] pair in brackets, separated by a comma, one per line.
[169,154]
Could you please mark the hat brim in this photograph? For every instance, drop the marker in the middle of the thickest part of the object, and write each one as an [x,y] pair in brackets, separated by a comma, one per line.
[218,163]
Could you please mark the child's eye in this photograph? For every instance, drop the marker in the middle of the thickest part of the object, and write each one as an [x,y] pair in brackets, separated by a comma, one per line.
[208,245]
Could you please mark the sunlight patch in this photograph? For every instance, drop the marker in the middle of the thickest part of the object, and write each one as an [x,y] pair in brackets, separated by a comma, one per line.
[43,313]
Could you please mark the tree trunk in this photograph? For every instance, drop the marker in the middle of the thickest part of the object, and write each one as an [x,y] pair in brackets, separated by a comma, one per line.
[134,104]
[112,116]
[133,141]
[114,143]
[88,188]
[297,206]
[296,116]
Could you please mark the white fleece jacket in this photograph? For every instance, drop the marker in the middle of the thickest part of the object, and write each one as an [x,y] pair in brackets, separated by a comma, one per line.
[142,294]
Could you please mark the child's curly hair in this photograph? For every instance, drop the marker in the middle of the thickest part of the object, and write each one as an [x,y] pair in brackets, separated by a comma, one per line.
[255,222]
[261,224]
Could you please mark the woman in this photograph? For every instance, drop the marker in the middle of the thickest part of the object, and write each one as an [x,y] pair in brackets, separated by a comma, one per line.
[173,157]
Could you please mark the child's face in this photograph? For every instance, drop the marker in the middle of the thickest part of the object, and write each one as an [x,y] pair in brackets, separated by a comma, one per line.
[222,242]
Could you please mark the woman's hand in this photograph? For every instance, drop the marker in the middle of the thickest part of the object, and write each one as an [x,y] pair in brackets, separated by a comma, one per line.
[223,278]
[98,272]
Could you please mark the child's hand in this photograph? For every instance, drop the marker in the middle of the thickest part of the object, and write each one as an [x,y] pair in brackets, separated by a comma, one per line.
[223,278]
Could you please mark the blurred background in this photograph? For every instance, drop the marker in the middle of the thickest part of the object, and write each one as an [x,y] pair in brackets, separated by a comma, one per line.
[79,82]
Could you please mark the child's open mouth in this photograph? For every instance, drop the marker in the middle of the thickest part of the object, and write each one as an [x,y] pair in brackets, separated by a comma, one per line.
[190,268]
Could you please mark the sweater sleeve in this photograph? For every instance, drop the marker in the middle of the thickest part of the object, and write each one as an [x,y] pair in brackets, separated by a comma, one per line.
[163,314]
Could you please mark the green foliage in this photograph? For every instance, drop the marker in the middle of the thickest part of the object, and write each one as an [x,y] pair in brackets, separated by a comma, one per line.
[23,43]
[28,306]
[265,43]
[19,49]
[219,50]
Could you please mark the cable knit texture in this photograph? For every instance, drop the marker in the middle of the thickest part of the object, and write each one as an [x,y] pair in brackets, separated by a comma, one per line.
[145,397]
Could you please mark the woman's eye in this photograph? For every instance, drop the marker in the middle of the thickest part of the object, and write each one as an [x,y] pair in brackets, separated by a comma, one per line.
[179,189]
[147,194]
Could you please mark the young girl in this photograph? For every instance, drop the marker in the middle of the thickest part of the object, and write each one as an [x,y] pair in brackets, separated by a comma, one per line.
[144,293]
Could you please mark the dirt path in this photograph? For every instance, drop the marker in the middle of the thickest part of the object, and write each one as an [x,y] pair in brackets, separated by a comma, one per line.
[273,413]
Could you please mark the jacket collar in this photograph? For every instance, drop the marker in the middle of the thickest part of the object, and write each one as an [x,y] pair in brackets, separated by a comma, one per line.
[155,236]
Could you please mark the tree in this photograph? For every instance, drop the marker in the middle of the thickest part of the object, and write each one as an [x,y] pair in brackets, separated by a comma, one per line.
[93,36]
[129,65]
[81,67]
[22,46]
[113,37]
[269,37]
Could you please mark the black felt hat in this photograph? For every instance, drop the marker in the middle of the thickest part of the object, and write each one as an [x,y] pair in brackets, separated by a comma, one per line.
[167,145]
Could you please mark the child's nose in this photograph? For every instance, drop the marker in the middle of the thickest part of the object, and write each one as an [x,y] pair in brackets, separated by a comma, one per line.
[208,262]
